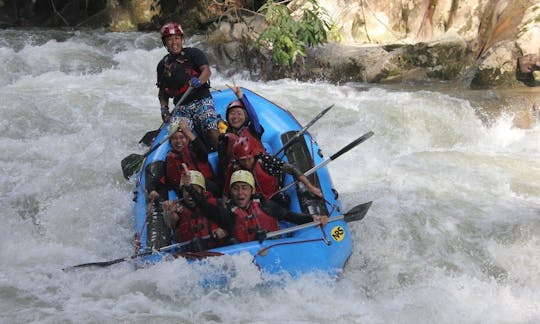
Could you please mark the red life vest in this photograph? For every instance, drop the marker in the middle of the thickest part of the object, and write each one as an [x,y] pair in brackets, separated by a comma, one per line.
[193,224]
[249,221]
[242,132]
[258,147]
[265,183]
[175,169]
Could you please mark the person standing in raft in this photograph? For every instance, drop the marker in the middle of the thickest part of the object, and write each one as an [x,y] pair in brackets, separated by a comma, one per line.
[182,68]
[196,216]
[252,216]
[242,121]
[266,169]
[186,149]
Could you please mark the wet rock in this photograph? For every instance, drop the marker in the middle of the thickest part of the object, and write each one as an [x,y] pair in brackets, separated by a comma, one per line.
[527,65]
[497,67]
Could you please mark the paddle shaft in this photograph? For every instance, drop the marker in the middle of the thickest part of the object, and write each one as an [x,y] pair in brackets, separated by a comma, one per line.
[133,162]
[166,138]
[357,213]
[108,263]
[330,159]
[302,131]
[148,138]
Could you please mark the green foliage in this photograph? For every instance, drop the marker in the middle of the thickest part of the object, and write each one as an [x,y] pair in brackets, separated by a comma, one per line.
[288,37]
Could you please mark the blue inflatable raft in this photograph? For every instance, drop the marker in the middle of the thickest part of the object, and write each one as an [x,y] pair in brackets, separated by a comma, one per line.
[294,249]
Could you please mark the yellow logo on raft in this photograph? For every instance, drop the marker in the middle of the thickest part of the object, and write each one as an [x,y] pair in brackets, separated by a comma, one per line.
[338,233]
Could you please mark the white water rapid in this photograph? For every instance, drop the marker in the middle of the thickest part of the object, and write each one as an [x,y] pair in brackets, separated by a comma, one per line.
[453,235]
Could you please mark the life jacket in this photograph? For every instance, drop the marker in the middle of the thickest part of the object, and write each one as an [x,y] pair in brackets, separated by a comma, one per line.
[229,150]
[177,71]
[245,131]
[175,168]
[249,221]
[193,224]
[265,184]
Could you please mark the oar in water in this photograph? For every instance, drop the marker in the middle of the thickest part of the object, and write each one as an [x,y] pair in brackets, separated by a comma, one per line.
[132,163]
[149,137]
[302,131]
[132,257]
[330,159]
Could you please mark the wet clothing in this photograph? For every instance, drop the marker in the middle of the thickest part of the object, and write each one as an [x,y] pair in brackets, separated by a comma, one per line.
[261,215]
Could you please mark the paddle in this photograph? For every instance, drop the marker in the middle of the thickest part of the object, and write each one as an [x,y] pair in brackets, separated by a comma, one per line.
[302,131]
[355,214]
[330,159]
[132,163]
[149,137]
[115,261]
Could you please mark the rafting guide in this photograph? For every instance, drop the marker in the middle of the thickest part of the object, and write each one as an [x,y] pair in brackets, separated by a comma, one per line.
[184,68]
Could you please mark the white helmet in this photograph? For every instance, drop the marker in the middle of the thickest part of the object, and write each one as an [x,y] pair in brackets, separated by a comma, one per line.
[243,176]
[197,178]
[175,123]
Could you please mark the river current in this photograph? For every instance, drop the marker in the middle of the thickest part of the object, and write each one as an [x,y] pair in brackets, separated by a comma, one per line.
[453,235]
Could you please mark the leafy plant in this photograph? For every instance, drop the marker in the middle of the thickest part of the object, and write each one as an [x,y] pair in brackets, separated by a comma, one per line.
[288,37]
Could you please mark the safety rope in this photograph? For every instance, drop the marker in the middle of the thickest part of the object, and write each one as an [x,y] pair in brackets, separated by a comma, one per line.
[264,251]
[197,255]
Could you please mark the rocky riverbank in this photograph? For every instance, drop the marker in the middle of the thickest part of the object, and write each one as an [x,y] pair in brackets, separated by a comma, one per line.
[452,45]
[458,46]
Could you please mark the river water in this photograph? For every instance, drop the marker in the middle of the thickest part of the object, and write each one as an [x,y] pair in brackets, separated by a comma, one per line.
[453,235]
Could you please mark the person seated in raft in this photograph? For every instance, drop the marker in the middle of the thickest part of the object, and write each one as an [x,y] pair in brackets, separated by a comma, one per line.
[186,148]
[196,216]
[267,170]
[242,121]
[252,216]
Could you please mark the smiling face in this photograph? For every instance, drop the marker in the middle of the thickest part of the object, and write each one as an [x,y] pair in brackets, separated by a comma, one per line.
[174,44]
[236,117]
[188,200]
[179,141]
[241,194]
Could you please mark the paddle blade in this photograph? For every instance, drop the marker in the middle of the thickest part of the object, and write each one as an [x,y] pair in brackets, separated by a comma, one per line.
[96,264]
[358,212]
[131,164]
[149,137]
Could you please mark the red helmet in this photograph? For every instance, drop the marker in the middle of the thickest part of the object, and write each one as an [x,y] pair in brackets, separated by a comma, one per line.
[235,104]
[171,28]
[244,148]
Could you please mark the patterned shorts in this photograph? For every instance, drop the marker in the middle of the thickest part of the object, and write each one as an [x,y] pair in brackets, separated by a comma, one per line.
[201,112]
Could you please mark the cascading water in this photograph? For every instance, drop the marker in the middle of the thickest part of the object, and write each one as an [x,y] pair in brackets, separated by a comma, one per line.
[453,234]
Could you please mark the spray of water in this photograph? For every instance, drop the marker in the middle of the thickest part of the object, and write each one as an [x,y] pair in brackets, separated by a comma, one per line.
[452,236]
